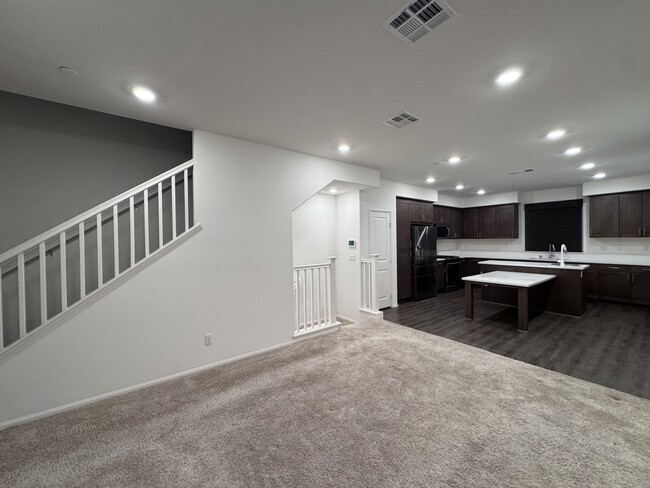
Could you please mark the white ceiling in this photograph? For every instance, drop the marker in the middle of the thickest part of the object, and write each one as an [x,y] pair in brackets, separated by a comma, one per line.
[306,75]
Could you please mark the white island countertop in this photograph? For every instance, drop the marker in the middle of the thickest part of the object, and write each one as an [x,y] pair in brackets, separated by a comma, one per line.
[533,264]
[509,278]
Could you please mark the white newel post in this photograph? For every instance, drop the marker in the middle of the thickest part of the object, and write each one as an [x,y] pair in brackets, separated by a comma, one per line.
[331,290]
[373,283]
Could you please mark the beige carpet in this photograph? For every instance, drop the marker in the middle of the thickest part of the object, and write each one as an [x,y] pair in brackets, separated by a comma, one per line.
[373,405]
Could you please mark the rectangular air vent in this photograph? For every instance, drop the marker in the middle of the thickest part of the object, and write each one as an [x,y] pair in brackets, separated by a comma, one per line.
[520,171]
[416,19]
[401,120]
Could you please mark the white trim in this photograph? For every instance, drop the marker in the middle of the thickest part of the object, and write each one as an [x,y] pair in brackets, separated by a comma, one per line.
[364,312]
[314,332]
[139,386]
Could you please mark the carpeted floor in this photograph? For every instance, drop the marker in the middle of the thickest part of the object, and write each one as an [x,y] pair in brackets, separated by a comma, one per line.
[374,405]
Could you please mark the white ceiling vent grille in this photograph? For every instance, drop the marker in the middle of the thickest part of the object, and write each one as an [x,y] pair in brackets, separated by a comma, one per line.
[416,19]
[401,120]
[520,171]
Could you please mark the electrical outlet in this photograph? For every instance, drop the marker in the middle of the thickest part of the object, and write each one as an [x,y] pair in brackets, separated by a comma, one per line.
[208,339]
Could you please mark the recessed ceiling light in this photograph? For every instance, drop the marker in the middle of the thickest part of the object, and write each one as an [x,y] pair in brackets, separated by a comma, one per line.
[430,179]
[555,134]
[599,176]
[481,192]
[509,77]
[459,187]
[454,159]
[344,148]
[143,93]
[572,151]
[588,165]
[333,190]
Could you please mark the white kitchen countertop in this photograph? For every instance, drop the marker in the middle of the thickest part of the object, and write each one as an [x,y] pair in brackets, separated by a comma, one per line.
[533,264]
[509,278]
[626,259]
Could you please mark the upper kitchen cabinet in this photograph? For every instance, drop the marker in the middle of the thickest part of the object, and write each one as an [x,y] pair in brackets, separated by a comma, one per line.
[420,212]
[492,222]
[507,221]
[620,215]
[471,223]
[603,216]
[451,216]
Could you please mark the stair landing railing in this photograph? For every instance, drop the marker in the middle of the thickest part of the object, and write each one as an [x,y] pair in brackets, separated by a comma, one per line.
[93,250]
[314,296]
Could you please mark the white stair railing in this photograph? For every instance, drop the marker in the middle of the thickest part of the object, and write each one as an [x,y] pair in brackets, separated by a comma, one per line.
[43,278]
[314,295]
[369,284]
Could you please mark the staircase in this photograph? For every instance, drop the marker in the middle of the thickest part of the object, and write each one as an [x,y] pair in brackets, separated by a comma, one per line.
[46,277]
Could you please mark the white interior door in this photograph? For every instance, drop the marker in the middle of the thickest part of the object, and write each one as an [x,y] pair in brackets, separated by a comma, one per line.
[380,244]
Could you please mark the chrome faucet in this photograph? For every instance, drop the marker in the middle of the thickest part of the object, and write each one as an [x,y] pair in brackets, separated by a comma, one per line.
[551,251]
[562,251]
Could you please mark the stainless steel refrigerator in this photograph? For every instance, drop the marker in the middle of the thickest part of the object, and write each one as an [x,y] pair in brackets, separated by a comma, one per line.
[423,261]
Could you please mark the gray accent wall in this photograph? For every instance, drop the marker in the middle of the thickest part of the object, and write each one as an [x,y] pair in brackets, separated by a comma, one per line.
[57,161]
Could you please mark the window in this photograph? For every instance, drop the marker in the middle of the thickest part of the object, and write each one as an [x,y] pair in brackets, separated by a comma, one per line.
[554,223]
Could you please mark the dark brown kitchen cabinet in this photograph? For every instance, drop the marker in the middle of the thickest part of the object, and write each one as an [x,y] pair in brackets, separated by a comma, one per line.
[471,223]
[630,214]
[420,212]
[591,281]
[472,267]
[487,222]
[403,229]
[646,214]
[440,276]
[507,221]
[456,224]
[450,216]
[614,282]
[603,216]
[640,289]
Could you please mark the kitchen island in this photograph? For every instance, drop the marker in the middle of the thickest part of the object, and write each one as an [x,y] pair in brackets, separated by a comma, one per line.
[566,294]
[520,282]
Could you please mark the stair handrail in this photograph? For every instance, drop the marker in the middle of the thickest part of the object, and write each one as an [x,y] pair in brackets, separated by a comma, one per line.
[25,246]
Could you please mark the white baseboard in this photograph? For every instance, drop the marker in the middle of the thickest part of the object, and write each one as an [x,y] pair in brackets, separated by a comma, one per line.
[369,313]
[316,332]
[139,386]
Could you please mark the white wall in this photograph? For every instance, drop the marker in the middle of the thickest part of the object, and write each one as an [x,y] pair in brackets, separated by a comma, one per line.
[233,279]
[348,263]
[384,198]
[314,230]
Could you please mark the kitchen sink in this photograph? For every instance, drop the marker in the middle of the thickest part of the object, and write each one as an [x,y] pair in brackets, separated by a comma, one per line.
[566,265]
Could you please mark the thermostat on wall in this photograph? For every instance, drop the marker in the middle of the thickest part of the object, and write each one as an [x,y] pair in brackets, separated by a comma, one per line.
[352,243]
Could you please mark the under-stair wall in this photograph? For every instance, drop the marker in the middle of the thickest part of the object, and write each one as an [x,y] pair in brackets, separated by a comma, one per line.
[232,279]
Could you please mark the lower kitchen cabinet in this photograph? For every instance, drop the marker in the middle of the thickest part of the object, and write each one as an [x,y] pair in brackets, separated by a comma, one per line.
[614,282]
[591,281]
[440,276]
[640,289]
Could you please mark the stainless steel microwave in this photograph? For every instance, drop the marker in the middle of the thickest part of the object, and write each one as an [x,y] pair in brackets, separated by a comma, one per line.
[443,230]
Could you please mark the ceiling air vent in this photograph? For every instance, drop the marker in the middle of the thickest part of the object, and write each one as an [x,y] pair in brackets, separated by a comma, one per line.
[416,19]
[401,120]
[520,171]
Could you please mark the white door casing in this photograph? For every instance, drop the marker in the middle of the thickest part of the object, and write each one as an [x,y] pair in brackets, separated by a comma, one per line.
[379,232]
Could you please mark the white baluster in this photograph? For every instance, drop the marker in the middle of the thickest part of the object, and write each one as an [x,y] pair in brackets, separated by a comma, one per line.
[22,311]
[373,283]
[132,231]
[173,207]
[304,299]
[318,297]
[42,264]
[147,245]
[63,253]
[187,199]
[82,261]
[116,242]
[100,253]
[160,217]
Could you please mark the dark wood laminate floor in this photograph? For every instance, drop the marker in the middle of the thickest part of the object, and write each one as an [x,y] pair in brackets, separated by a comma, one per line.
[608,345]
